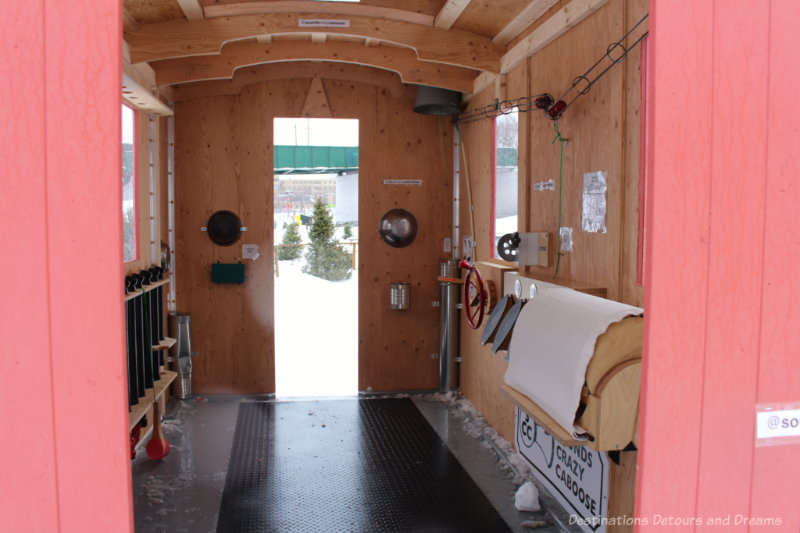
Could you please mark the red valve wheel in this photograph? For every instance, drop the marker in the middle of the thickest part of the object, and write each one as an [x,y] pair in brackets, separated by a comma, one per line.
[475,296]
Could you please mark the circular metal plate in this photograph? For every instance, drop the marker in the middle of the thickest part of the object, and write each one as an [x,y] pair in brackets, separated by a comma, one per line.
[224,228]
[398,227]
[517,288]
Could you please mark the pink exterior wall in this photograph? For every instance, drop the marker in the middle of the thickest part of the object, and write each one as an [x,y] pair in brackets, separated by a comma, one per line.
[64,449]
[722,252]
[722,255]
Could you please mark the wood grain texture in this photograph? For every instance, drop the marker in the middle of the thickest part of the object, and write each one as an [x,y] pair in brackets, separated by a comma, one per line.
[449,13]
[331,8]
[622,489]
[236,55]
[630,291]
[594,127]
[294,70]
[182,38]
[488,17]
[224,160]
[395,346]
[530,14]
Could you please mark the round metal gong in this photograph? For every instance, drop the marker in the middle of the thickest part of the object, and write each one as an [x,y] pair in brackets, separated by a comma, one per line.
[398,227]
[224,228]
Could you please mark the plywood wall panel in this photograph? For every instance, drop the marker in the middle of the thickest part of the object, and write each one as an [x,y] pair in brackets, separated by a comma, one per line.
[632,291]
[602,132]
[395,345]
[224,161]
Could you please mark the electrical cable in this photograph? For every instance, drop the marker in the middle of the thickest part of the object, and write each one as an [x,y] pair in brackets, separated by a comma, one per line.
[469,196]
[558,137]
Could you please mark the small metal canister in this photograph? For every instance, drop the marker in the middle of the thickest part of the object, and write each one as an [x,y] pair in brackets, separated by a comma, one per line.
[400,295]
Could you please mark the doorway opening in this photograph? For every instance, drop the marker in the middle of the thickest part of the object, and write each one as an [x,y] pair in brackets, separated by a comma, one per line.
[316,252]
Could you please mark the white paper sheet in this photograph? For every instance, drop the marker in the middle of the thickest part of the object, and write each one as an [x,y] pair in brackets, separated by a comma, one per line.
[552,344]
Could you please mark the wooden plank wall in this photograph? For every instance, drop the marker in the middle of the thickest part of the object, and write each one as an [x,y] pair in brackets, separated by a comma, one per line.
[602,129]
[224,159]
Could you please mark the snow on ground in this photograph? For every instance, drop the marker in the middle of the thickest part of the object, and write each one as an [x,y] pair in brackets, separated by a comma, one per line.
[316,333]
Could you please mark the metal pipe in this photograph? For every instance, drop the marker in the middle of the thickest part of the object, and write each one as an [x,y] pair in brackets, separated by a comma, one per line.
[449,293]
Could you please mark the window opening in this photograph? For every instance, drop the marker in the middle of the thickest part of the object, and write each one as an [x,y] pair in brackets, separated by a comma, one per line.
[130,188]
[504,179]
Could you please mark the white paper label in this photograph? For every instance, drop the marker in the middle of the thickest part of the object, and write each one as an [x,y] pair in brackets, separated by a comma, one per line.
[466,246]
[549,185]
[576,476]
[447,245]
[565,235]
[402,182]
[250,251]
[594,202]
[323,23]
[777,426]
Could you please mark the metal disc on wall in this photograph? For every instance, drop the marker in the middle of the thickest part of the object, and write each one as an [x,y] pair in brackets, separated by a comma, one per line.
[398,227]
[224,228]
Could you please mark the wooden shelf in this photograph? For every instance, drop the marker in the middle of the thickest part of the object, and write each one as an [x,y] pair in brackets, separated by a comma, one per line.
[146,288]
[166,344]
[541,417]
[140,409]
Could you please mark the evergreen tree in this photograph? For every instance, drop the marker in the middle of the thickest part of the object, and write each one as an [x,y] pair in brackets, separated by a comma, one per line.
[348,232]
[324,258]
[291,235]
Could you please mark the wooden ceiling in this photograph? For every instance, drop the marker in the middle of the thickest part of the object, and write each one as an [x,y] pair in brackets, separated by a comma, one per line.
[461,45]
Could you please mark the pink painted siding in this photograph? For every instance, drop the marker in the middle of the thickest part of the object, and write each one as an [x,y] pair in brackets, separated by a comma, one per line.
[63,409]
[722,249]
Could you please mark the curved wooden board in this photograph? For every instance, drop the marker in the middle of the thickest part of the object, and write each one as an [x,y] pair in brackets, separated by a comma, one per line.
[388,81]
[183,38]
[621,343]
[403,61]
[330,8]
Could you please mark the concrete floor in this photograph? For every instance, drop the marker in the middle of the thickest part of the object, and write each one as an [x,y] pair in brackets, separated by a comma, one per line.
[182,493]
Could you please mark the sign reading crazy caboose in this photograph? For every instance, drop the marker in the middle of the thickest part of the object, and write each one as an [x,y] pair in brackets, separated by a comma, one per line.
[576,476]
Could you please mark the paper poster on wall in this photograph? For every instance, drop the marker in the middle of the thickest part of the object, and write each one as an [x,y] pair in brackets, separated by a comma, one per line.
[466,246]
[594,202]
[250,251]
[576,476]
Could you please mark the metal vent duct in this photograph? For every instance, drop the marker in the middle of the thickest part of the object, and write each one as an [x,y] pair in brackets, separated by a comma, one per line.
[437,101]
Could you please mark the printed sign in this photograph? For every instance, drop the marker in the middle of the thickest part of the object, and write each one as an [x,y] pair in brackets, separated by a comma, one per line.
[323,23]
[402,182]
[250,251]
[777,424]
[576,476]
[594,202]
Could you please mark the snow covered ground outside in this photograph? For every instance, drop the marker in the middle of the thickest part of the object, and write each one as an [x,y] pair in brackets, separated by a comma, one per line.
[316,330]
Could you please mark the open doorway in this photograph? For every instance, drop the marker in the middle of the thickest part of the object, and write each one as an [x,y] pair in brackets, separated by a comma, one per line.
[316,251]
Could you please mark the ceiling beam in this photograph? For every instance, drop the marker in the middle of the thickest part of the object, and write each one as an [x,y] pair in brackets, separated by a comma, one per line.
[291,71]
[528,16]
[237,55]
[310,6]
[551,29]
[183,38]
[192,9]
[449,13]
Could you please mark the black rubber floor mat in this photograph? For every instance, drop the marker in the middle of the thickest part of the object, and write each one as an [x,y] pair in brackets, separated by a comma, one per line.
[347,465]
